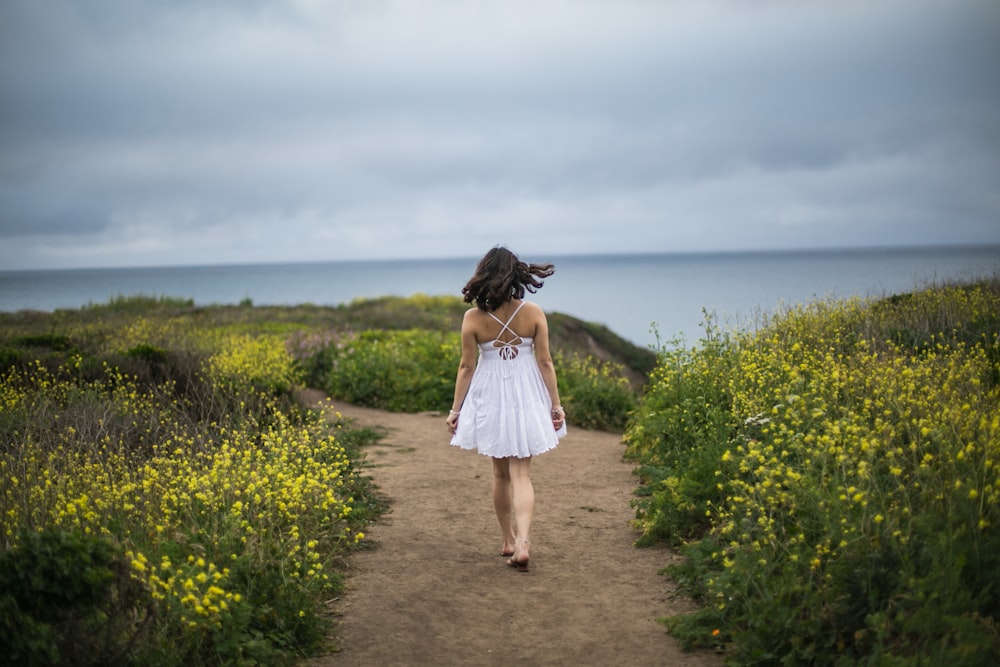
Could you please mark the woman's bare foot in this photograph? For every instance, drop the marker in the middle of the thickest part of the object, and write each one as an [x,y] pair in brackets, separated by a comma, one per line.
[520,557]
[508,549]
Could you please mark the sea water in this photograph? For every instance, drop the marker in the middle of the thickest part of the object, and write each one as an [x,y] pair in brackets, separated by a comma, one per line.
[648,299]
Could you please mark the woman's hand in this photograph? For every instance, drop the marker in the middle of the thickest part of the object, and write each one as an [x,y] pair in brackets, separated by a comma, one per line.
[558,417]
[452,421]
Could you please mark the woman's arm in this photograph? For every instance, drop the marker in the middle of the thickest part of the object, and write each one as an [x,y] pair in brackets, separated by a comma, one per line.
[466,367]
[548,369]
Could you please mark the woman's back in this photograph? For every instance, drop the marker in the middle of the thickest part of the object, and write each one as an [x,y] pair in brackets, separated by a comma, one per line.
[521,318]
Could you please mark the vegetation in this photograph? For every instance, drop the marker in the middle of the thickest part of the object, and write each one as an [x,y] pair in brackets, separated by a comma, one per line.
[413,369]
[834,480]
[165,500]
[831,476]
[402,371]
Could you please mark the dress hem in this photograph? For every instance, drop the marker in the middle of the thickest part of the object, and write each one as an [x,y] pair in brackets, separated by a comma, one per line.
[475,449]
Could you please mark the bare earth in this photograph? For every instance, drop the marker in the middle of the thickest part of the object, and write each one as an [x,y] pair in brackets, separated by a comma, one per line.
[434,590]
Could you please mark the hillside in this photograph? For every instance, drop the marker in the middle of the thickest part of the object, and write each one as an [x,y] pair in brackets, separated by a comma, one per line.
[568,334]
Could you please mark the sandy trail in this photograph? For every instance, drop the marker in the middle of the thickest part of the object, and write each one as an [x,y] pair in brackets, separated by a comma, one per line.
[434,591]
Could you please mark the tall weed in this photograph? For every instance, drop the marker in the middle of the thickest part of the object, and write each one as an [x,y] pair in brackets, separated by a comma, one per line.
[679,432]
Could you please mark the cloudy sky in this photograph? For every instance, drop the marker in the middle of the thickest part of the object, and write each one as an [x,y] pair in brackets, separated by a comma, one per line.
[156,132]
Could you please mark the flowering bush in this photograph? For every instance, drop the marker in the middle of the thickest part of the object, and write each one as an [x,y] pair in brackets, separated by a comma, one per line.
[180,449]
[835,476]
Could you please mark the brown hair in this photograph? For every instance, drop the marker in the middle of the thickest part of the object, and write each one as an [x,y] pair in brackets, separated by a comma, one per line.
[500,277]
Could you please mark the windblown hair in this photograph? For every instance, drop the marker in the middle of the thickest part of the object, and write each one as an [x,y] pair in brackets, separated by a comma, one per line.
[500,277]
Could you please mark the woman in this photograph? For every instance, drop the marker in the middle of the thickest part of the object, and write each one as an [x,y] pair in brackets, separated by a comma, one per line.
[506,405]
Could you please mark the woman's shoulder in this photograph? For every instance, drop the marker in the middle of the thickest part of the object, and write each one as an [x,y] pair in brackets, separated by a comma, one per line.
[533,309]
[532,305]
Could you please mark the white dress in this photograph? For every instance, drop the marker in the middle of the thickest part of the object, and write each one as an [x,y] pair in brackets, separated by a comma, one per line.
[507,410]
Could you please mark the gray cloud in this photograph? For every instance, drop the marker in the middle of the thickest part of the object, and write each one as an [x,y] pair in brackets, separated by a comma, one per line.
[164,132]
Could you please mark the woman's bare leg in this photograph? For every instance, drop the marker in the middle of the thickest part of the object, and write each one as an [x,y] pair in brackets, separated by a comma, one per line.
[524,502]
[502,503]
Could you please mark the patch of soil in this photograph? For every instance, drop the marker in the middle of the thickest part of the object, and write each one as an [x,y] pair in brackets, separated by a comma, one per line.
[433,589]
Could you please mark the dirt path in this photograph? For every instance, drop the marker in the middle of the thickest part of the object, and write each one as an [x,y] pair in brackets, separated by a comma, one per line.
[434,590]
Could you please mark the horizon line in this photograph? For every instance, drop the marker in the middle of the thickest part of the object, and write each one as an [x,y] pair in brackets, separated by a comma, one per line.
[581,255]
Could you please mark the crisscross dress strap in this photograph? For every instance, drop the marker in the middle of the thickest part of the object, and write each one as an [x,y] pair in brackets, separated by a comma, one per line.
[506,325]
[507,349]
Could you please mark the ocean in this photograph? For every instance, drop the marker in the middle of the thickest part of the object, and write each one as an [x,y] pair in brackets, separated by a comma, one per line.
[648,299]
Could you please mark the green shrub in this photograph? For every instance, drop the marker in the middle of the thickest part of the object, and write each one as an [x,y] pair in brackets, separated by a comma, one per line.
[678,434]
[69,599]
[414,370]
[403,371]
[134,304]
[48,341]
[595,394]
[148,353]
